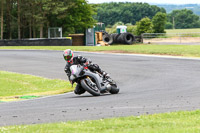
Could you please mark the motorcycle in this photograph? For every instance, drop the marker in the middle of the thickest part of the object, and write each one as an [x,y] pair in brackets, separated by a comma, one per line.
[92,81]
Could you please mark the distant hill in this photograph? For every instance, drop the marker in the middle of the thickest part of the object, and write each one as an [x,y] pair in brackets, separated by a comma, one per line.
[169,7]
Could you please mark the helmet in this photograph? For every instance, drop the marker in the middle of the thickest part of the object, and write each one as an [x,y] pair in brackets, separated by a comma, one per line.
[68,55]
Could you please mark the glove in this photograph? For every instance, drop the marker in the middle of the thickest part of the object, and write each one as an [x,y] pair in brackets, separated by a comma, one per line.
[79,57]
[88,62]
[105,75]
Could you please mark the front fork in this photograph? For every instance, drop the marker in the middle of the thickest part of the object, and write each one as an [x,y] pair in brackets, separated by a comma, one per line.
[91,82]
[106,88]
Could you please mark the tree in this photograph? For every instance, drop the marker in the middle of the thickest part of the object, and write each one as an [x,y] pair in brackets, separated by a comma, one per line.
[159,21]
[19,18]
[78,18]
[184,19]
[168,25]
[144,26]
[2,18]
[110,13]
[8,21]
[31,18]
[49,8]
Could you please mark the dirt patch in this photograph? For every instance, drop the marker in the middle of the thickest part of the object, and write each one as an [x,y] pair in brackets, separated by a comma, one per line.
[179,40]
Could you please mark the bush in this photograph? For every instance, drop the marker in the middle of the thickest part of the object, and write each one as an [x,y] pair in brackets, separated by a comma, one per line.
[131,29]
[113,28]
[128,24]
[109,26]
[144,26]
[159,21]
[168,25]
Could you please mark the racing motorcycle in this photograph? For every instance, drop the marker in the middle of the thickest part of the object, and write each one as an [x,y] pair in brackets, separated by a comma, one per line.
[92,81]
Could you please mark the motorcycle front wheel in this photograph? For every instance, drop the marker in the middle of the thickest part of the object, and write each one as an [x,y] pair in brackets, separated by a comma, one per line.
[114,89]
[90,87]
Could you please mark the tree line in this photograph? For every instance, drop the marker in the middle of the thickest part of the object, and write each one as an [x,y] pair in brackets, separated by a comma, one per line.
[110,13]
[169,7]
[182,19]
[177,19]
[113,12]
[32,18]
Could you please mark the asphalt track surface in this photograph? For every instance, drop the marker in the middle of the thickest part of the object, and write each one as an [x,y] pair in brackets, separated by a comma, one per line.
[147,85]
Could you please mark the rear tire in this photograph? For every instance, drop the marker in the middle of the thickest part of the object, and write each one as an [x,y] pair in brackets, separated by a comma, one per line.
[86,84]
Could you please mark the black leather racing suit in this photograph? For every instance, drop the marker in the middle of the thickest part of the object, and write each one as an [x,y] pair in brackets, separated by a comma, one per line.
[81,60]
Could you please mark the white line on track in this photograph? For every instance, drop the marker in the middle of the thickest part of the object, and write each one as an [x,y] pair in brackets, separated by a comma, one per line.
[44,97]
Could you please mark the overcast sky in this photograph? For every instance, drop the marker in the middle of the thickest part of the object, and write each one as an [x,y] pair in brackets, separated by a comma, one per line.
[151,1]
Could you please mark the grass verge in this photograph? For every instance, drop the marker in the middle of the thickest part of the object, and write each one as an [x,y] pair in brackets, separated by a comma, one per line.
[176,122]
[14,86]
[175,50]
[192,30]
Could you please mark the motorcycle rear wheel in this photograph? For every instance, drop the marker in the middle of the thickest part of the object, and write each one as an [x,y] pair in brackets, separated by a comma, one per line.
[86,84]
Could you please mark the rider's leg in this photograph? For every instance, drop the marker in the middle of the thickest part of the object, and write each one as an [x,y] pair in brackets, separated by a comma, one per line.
[79,90]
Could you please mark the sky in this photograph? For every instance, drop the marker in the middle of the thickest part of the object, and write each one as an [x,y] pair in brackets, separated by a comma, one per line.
[150,1]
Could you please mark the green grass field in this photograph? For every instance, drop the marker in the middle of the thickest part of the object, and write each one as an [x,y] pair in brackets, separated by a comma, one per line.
[175,50]
[133,28]
[182,30]
[176,122]
[14,85]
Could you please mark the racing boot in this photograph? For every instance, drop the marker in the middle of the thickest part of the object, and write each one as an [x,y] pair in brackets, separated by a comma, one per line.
[79,90]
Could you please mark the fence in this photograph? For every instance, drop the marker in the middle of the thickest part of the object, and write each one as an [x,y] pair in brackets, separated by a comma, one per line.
[172,38]
[55,32]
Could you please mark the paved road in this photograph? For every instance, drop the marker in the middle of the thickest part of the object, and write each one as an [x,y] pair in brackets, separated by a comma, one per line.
[148,85]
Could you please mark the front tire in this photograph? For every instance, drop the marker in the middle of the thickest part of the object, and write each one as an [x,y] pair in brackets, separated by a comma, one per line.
[114,89]
[87,85]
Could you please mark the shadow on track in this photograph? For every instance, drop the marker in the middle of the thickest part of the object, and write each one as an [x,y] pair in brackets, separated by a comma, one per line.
[90,96]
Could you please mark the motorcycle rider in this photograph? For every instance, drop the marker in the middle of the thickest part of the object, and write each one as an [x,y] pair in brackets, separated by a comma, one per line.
[71,60]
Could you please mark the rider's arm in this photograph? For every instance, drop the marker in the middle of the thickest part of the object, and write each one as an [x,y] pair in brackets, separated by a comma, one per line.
[67,70]
[81,59]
